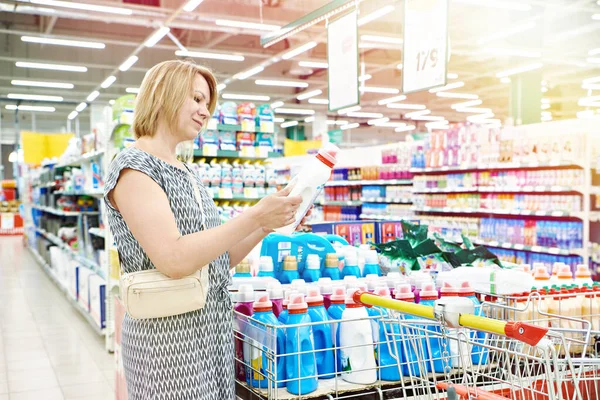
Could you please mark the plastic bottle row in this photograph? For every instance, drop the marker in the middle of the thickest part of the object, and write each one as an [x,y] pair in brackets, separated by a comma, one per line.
[237,176]
[372,173]
[388,210]
[561,234]
[386,191]
[343,193]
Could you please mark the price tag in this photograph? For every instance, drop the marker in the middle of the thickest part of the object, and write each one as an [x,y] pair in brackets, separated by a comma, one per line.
[536,249]
[493,244]
[540,188]
[554,250]
[519,247]
[262,151]
[540,213]
[225,193]
[557,213]
[528,188]
[209,150]
[445,168]
[525,212]
[251,193]
[507,245]
[248,151]
[557,189]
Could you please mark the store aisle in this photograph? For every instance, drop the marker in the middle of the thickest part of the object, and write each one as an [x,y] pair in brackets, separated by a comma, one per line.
[47,350]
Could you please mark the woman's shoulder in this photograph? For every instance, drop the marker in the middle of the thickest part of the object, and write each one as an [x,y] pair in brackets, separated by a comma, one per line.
[136,159]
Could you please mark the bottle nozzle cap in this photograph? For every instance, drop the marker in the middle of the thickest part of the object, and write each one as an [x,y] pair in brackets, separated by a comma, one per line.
[339,293]
[314,295]
[382,291]
[564,272]
[428,290]
[583,272]
[262,301]
[404,292]
[266,264]
[297,303]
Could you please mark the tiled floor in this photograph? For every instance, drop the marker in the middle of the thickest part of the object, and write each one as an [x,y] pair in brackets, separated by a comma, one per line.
[47,350]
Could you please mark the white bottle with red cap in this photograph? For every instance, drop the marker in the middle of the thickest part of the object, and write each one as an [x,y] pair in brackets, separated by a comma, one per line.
[356,342]
[310,181]
[583,275]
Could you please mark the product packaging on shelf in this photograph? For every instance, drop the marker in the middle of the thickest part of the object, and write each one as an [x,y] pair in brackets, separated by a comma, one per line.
[229,115]
[246,116]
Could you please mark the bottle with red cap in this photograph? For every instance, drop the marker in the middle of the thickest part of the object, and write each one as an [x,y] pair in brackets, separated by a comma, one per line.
[322,334]
[300,362]
[429,295]
[326,288]
[283,316]
[335,311]
[583,275]
[413,345]
[356,342]
[260,361]
[383,335]
[479,354]
[275,291]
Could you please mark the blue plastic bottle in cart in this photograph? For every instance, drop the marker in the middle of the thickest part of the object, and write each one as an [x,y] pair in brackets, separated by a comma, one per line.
[429,295]
[413,346]
[350,263]
[387,354]
[259,361]
[322,334]
[371,264]
[300,362]
[332,267]
[265,267]
[335,311]
[312,268]
[479,354]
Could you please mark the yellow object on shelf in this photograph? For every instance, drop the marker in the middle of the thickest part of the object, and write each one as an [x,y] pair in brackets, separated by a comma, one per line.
[37,146]
[115,265]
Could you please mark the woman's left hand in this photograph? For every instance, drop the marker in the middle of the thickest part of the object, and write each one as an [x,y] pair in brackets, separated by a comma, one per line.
[301,224]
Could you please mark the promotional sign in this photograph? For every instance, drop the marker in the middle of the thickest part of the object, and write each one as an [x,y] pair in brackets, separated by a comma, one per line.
[425,53]
[342,57]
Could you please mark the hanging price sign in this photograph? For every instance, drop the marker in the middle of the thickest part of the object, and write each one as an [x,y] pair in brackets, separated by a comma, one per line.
[425,52]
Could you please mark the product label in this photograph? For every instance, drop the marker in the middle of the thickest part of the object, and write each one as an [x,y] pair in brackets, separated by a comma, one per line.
[304,207]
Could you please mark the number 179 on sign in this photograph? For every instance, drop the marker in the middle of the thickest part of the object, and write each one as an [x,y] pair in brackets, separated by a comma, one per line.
[427,59]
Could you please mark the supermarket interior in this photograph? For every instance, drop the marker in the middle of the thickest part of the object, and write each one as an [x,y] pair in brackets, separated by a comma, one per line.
[446,152]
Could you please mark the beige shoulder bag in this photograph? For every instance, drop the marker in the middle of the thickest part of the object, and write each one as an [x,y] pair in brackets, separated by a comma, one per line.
[151,294]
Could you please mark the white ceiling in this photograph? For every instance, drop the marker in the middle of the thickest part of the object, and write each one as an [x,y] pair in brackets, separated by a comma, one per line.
[561,31]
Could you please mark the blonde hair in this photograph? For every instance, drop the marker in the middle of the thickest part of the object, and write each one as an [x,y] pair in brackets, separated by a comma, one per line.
[163,92]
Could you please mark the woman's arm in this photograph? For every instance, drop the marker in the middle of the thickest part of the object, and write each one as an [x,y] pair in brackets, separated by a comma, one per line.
[243,248]
[146,210]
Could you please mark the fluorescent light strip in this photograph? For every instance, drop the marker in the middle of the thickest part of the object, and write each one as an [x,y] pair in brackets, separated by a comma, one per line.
[251,97]
[83,6]
[157,36]
[595,79]
[365,77]
[221,87]
[72,115]
[382,90]
[594,52]
[467,104]
[37,97]
[364,115]
[452,76]
[247,25]
[318,101]
[504,4]
[391,100]
[336,122]
[278,120]
[246,74]
[267,82]
[593,60]
[309,119]
[30,108]
[108,81]
[428,118]
[191,5]
[111,102]
[518,70]
[294,111]
[308,95]
[378,121]
[506,33]
[375,15]
[132,90]
[438,125]
[474,110]
[63,42]
[452,95]
[546,113]
[54,85]
[289,124]
[546,106]
[80,107]
[512,52]
[417,113]
[349,109]
[349,126]
[277,104]
[405,106]
[93,96]
[406,128]
[210,56]
[381,39]
[299,50]
[476,118]
[506,79]
[392,125]
[128,63]
[53,67]
[591,86]
[450,86]
[313,64]
[545,100]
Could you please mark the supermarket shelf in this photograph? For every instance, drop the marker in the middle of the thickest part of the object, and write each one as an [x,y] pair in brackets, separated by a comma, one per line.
[505,189]
[520,247]
[384,217]
[98,232]
[497,166]
[339,203]
[526,213]
[74,303]
[368,182]
[385,200]
[83,260]
[238,198]
[81,160]
[91,193]
[232,154]
[55,211]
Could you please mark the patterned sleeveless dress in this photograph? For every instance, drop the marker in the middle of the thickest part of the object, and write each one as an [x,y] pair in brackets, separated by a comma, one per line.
[188,356]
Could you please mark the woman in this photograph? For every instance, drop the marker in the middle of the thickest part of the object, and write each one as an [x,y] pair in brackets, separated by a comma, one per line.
[156,221]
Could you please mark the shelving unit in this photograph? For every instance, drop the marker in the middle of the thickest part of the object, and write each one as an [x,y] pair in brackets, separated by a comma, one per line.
[485,211]
[496,167]
[385,200]
[373,182]
[506,189]
[61,213]
[91,193]
[98,232]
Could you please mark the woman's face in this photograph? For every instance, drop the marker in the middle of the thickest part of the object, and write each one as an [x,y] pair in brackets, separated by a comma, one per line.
[194,113]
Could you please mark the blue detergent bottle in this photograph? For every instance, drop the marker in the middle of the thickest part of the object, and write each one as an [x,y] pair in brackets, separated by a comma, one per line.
[300,369]
[332,267]
[335,311]
[435,363]
[312,268]
[265,267]
[262,364]
[290,270]
[479,354]
[350,263]
[371,264]
[322,334]
[387,355]
[242,270]
[413,345]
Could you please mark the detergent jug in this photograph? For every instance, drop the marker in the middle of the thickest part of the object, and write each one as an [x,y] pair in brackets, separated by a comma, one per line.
[387,355]
[414,345]
[322,334]
[290,270]
[332,267]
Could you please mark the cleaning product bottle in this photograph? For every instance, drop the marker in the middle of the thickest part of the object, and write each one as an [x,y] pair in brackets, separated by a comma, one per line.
[351,281]
[479,354]
[326,287]
[351,264]
[260,362]
[371,264]
[242,270]
[583,275]
[541,276]
[414,347]
[290,270]
[275,291]
[488,280]
[435,344]
[356,342]
[310,181]
[335,311]
[387,355]
[299,285]
[555,268]
[300,362]
[321,333]
[283,316]
[332,267]
[459,349]
[265,268]
[564,276]
[312,269]
[244,305]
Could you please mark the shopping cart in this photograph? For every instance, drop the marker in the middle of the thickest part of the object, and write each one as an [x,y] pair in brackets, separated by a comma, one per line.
[455,354]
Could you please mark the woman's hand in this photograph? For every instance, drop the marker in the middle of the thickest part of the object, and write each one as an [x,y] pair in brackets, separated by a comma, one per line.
[277,210]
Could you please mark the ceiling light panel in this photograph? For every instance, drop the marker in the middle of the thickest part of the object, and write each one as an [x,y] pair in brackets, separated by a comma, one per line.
[308,95]
[35,97]
[63,42]
[299,50]
[250,97]
[309,119]
[54,85]
[108,82]
[133,90]
[80,107]
[405,106]
[267,82]
[313,64]
[357,114]
[417,113]
[128,63]
[318,101]
[93,96]
[72,115]
[30,108]
[350,126]
[378,121]
[466,104]
[53,67]
[83,6]
[391,100]
[451,95]
[191,5]
[405,128]
[209,55]
[375,15]
[474,110]
[157,36]
[382,90]
[289,124]
[247,25]
[277,104]
[450,86]
[428,118]
[294,111]
[248,73]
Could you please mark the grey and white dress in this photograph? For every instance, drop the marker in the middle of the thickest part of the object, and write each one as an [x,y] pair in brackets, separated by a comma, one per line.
[188,356]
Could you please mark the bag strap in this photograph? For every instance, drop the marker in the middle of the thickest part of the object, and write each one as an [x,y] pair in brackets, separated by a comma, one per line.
[197,195]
